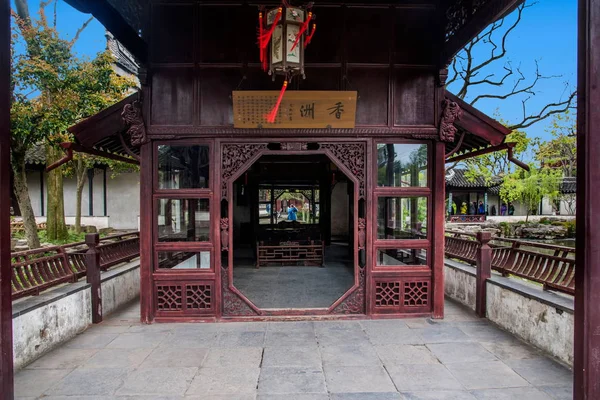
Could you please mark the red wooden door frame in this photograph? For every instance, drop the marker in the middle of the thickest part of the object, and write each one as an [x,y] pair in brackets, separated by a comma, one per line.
[234,301]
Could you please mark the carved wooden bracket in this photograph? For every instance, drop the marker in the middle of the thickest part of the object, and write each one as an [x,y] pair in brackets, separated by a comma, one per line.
[224,234]
[451,112]
[132,117]
[361,233]
[294,146]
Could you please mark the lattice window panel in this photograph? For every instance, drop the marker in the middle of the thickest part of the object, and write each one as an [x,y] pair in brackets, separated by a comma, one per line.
[169,297]
[416,294]
[387,294]
[198,297]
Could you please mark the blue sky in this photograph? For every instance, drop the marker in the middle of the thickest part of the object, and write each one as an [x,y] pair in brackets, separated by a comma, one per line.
[547,33]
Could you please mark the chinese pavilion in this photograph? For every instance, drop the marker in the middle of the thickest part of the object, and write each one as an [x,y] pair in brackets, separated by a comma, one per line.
[350,126]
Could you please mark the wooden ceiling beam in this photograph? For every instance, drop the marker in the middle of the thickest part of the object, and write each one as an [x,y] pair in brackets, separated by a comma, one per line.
[490,12]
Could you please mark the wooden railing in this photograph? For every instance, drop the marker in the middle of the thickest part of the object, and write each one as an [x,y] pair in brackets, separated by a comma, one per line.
[552,266]
[36,270]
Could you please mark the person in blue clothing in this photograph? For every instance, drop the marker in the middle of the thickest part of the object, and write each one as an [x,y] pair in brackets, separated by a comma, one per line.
[481,208]
[292,211]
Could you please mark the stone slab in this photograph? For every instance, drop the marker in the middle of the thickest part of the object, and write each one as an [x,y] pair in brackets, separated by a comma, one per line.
[63,358]
[292,380]
[525,393]
[486,375]
[34,383]
[118,358]
[542,372]
[349,356]
[158,381]
[296,356]
[231,381]
[439,395]
[234,357]
[460,352]
[365,379]
[90,381]
[392,354]
[422,377]
[175,358]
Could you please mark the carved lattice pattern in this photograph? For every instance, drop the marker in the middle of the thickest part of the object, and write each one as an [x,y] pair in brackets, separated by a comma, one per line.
[352,156]
[169,297]
[416,294]
[233,158]
[387,294]
[198,297]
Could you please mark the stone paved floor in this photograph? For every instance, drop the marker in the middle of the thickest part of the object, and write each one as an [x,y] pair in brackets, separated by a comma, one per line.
[458,358]
[297,286]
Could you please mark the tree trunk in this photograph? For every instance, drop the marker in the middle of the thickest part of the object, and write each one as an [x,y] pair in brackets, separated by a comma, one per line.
[80,174]
[22,193]
[55,224]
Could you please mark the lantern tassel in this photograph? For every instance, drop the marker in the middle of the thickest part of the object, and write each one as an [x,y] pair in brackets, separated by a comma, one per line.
[303,29]
[271,116]
[265,37]
[309,37]
[260,33]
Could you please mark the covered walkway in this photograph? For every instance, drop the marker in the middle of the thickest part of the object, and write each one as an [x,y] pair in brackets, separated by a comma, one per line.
[461,357]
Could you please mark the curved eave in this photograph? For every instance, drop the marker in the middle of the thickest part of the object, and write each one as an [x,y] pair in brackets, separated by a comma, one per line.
[101,131]
[480,130]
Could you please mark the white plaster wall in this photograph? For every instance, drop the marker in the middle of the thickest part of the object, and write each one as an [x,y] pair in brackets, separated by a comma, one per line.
[339,210]
[120,289]
[98,222]
[123,199]
[537,323]
[460,286]
[46,327]
[33,183]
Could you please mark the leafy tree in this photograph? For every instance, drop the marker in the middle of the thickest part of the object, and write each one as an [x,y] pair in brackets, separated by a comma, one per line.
[53,88]
[530,187]
[473,77]
[561,151]
[496,164]
[78,169]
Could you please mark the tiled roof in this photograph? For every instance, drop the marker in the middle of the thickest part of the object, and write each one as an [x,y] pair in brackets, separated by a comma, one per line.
[36,155]
[568,185]
[456,178]
[123,57]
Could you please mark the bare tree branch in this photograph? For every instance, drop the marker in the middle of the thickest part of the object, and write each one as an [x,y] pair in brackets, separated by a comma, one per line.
[80,30]
[547,111]
[468,71]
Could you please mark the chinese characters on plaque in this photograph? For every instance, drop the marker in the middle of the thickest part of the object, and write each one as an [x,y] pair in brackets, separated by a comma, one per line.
[298,109]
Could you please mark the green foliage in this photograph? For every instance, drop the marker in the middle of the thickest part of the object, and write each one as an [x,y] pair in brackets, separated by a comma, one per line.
[496,164]
[72,237]
[53,88]
[530,187]
[561,152]
[570,225]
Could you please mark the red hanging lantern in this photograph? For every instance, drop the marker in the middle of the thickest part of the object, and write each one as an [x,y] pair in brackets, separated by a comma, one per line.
[282,38]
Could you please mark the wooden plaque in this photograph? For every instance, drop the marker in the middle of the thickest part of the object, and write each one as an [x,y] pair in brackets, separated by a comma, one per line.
[298,109]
